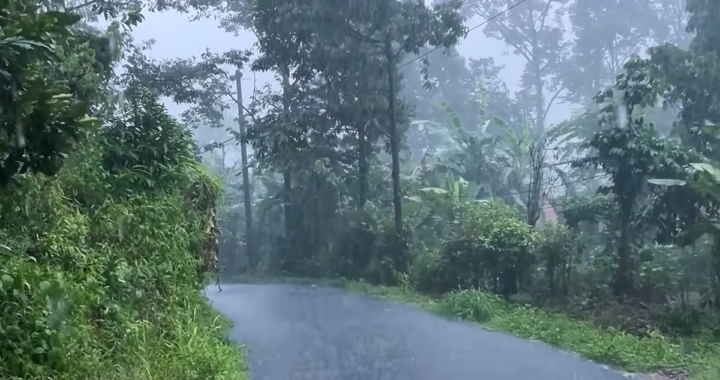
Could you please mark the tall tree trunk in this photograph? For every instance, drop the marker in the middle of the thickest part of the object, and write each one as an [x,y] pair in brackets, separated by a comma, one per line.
[394,136]
[623,281]
[287,176]
[363,128]
[536,197]
[247,188]
[363,164]
[715,271]
[539,104]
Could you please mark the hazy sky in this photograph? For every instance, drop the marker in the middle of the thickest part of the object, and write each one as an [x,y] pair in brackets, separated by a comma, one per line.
[176,37]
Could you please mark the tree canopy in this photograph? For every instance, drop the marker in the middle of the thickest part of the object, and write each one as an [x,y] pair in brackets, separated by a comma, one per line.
[380,154]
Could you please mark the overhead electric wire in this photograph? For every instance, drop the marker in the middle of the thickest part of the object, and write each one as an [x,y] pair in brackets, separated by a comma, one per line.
[493,17]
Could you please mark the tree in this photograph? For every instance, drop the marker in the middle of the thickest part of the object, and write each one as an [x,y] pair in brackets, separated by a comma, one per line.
[392,29]
[687,80]
[207,84]
[534,30]
[688,76]
[47,98]
[630,151]
[286,37]
[128,12]
[449,79]
[103,222]
[607,33]
[492,90]
[672,18]
[307,44]
[353,98]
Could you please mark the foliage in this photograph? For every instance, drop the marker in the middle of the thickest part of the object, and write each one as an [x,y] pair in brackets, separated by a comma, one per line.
[45,73]
[477,189]
[558,249]
[492,247]
[536,36]
[113,272]
[102,265]
[158,144]
[485,194]
[592,209]
[607,345]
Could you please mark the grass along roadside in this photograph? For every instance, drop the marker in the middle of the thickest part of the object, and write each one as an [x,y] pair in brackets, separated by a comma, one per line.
[604,345]
[193,345]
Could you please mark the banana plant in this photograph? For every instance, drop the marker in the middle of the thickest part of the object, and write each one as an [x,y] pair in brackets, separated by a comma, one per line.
[432,206]
[473,154]
[431,137]
[514,156]
[268,187]
[457,189]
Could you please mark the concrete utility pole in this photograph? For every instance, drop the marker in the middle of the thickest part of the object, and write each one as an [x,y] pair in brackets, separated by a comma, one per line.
[247,192]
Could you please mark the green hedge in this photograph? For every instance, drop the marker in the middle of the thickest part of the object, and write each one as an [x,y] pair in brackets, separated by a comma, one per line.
[101,284]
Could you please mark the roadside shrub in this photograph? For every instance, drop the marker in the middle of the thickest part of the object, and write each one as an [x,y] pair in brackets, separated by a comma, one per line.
[490,247]
[558,254]
[471,305]
[368,247]
[426,273]
[355,246]
[96,283]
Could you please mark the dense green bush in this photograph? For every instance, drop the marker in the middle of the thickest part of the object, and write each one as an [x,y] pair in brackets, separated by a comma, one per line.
[355,247]
[48,88]
[558,249]
[426,272]
[100,283]
[487,245]
[368,248]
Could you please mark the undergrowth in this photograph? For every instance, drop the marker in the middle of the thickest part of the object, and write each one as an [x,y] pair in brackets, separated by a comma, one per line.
[606,345]
[99,269]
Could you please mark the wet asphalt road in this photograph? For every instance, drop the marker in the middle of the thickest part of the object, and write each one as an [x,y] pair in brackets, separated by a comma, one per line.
[314,333]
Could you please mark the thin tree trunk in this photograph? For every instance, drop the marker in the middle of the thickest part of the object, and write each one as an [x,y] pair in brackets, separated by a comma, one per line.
[394,137]
[287,176]
[247,189]
[363,167]
[623,282]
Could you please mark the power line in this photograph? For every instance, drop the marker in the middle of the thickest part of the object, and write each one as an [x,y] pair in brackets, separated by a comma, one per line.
[506,10]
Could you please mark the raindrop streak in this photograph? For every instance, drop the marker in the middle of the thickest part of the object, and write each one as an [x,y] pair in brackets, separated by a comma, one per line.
[622,115]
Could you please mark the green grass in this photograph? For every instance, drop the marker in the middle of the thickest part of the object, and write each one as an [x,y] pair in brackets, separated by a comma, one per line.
[604,345]
[195,347]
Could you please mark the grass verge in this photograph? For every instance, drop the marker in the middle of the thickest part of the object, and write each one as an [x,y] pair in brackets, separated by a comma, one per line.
[194,347]
[604,345]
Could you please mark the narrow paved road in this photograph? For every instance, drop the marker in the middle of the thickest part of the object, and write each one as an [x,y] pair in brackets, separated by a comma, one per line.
[315,333]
